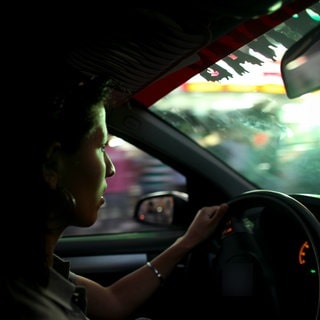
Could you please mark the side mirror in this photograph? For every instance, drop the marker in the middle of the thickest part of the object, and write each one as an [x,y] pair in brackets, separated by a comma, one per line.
[162,208]
[300,65]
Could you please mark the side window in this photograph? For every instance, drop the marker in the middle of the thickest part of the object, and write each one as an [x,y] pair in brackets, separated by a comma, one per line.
[137,173]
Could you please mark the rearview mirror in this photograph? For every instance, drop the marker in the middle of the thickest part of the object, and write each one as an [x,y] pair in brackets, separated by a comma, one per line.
[300,65]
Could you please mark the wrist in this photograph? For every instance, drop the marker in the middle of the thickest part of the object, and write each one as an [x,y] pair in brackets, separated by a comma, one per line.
[183,245]
[156,272]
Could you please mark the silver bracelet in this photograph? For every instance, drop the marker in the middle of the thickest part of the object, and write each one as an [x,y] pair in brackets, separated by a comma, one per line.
[156,272]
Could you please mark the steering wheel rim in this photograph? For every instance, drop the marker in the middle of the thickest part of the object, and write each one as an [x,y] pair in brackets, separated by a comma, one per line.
[251,199]
[287,205]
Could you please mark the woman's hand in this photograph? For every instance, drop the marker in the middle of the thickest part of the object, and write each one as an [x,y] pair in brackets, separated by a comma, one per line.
[203,225]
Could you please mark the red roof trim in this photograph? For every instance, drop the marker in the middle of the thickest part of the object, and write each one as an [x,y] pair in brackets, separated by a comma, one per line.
[218,49]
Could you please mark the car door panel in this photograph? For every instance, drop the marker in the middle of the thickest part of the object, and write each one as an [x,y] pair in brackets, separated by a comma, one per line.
[106,258]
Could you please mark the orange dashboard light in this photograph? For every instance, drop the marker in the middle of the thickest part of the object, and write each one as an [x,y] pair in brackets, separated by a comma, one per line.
[228,230]
[302,252]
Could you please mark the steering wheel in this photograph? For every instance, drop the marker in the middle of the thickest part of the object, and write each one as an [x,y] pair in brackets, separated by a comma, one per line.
[257,266]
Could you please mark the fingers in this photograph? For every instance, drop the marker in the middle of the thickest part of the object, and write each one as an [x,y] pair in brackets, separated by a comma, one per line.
[213,214]
[206,221]
[217,212]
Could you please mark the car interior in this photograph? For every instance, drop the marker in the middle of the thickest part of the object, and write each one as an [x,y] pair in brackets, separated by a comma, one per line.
[220,102]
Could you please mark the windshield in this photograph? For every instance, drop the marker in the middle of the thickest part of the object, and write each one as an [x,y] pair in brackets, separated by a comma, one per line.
[241,114]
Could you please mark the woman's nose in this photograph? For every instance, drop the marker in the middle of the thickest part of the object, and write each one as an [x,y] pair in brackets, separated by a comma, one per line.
[110,168]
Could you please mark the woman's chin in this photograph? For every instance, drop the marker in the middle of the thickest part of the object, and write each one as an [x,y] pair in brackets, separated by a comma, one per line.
[88,221]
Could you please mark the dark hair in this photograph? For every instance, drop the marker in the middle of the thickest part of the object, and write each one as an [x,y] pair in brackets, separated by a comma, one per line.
[59,108]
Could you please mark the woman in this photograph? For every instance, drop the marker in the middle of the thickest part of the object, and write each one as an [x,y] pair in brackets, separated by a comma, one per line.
[65,170]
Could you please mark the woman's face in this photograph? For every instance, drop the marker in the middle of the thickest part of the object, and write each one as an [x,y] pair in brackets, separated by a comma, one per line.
[84,173]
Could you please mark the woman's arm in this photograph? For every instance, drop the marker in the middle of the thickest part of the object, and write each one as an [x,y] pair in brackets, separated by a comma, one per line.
[120,299]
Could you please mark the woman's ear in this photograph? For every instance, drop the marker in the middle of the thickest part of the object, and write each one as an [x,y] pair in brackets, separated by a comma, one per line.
[51,165]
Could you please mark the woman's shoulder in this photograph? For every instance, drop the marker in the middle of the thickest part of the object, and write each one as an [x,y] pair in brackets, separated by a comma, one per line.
[24,300]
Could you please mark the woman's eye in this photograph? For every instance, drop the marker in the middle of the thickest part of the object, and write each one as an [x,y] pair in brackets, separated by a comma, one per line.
[103,147]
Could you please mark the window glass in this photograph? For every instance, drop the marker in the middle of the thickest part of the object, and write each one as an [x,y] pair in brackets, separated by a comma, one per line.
[137,173]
